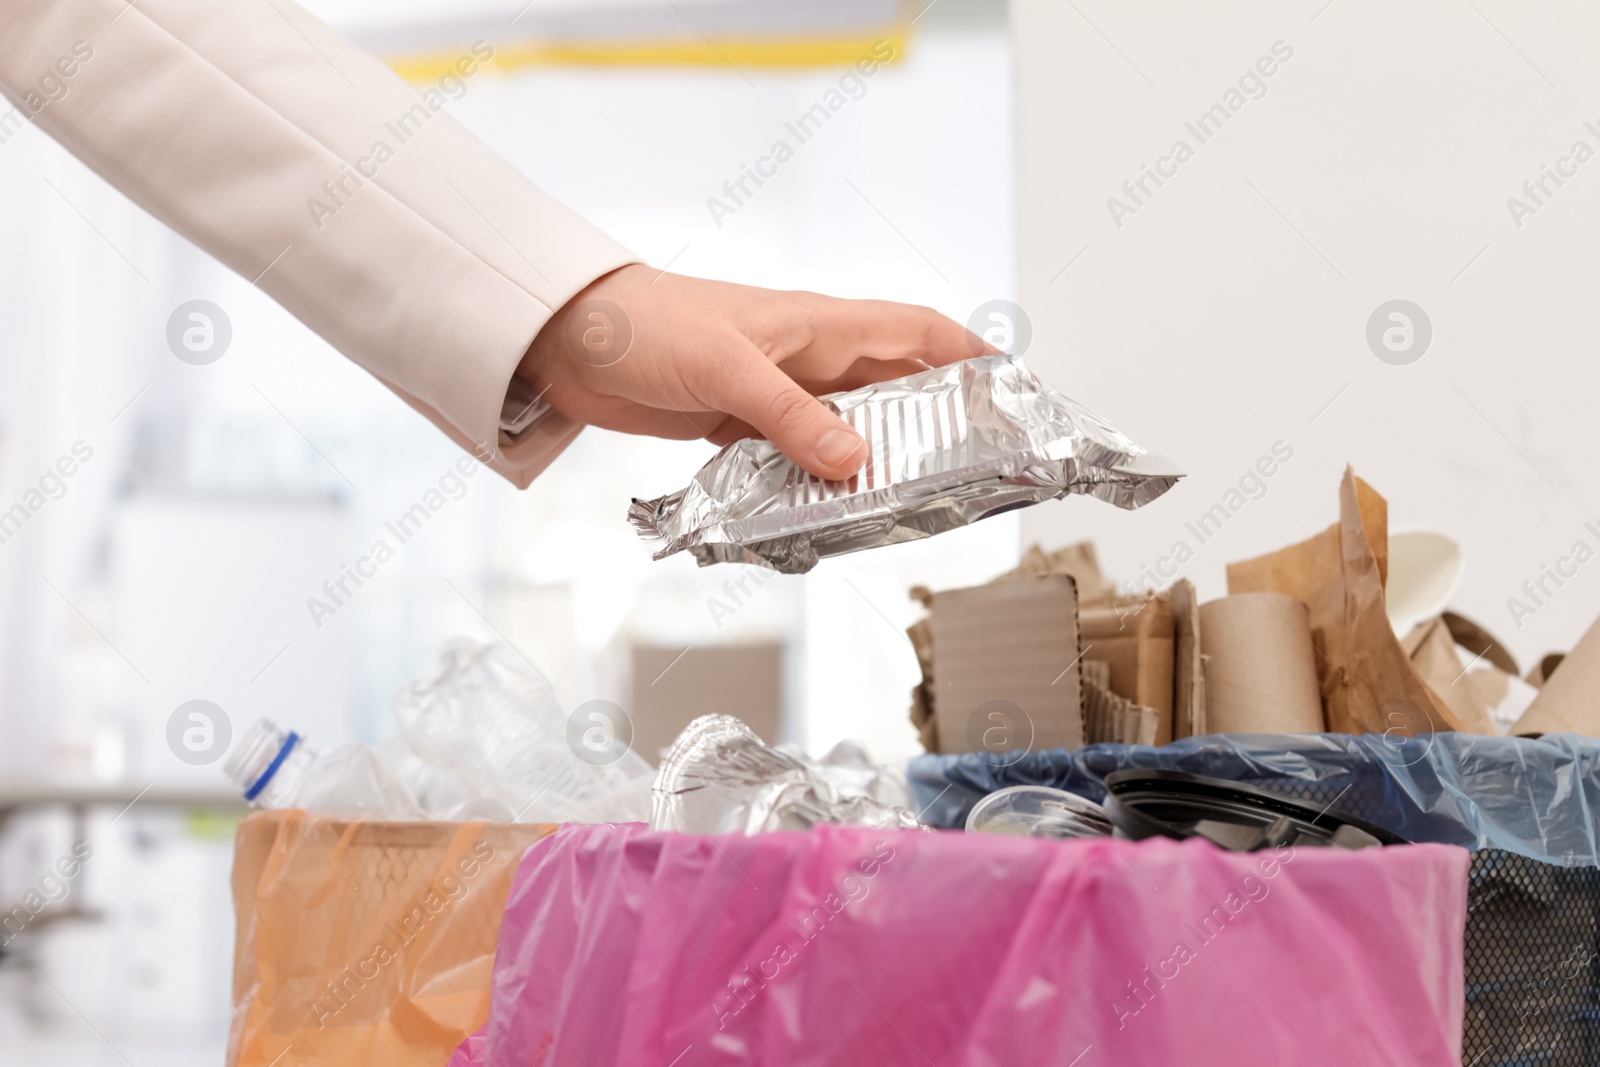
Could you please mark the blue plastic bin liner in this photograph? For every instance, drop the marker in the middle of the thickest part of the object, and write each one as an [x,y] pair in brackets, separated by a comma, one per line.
[1538,798]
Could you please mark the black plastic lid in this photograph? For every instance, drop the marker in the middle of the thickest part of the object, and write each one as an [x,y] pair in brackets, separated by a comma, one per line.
[1238,817]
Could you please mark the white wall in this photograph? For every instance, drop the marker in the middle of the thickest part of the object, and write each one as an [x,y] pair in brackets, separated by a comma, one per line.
[1231,308]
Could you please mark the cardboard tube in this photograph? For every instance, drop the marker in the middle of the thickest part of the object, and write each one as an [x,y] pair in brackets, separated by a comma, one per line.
[1261,670]
[1569,701]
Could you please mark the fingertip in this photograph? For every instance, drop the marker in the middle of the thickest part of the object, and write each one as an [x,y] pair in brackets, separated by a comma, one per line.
[837,454]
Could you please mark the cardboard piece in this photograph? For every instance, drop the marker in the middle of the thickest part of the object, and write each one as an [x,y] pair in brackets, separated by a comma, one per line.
[1135,637]
[1014,642]
[365,942]
[1368,682]
[1189,670]
[1261,672]
[1569,700]
[1110,718]
[1096,682]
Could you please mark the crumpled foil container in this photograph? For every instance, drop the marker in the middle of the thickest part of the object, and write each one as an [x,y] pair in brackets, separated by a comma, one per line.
[949,446]
[720,778]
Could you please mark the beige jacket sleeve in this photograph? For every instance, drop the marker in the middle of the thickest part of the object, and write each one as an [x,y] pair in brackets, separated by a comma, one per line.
[310,168]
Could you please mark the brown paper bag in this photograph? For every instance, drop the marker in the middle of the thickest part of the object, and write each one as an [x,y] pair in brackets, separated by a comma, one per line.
[1433,653]
[1480,642]
[365,942]
[1369,684]
[1489,686]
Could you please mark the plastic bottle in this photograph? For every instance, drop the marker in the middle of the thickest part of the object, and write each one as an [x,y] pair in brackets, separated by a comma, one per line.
[269,765]
[494,721]
[276,769]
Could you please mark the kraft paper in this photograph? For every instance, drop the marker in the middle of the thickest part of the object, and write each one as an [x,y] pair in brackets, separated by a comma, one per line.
[1368,682]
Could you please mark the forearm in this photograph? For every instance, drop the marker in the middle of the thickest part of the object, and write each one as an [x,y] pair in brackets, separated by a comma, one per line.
[308,167]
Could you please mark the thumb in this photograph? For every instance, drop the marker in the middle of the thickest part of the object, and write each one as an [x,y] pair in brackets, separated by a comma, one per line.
[750,387]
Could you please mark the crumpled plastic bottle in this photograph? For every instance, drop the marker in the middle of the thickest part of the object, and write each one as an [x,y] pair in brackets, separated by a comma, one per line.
[485,740]
[719,777]
[277,769]
[495,722]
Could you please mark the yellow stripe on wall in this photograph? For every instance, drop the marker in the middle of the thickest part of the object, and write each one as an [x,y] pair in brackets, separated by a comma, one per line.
[786,52]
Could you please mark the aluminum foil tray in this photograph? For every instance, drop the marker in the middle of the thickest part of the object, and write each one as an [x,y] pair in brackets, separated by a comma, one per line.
[949,446]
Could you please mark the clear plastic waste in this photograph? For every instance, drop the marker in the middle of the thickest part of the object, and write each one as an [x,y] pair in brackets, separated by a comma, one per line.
[356,782]
[268,764]
[719,777]
[1038,811]
[850,769]
[485,740]
[497,737]
[277,769]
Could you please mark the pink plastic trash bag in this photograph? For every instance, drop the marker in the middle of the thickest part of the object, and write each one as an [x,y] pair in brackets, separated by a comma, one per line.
[848,946]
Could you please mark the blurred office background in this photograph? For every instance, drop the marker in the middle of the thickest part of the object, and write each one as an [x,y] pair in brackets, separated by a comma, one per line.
[177,561]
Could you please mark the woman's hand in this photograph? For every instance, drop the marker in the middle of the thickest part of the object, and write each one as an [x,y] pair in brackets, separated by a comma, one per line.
[646,352]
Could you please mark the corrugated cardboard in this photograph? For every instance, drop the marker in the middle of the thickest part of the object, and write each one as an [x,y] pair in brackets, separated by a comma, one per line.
[1261,672]
[1135,637]
[1013,641]
[1569,700]
[1110,718]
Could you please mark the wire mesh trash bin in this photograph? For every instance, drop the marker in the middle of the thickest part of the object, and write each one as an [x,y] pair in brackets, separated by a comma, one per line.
[1532,969]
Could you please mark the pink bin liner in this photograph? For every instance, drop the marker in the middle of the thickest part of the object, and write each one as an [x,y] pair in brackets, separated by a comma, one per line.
[849,946]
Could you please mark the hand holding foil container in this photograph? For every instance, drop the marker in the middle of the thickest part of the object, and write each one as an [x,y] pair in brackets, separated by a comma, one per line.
[949,446]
